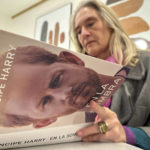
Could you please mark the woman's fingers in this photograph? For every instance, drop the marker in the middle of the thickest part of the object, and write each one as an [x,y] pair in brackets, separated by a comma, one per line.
[114,131]
[105,115]
[109,136]
[102,112]
[93,129]
[96,137]
[90,130]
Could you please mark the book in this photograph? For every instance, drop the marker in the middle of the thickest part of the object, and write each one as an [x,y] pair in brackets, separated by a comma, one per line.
[45,91]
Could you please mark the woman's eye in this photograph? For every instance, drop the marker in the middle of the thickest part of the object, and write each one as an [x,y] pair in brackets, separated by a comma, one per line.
[78,32]
[56,81]
[46,100]
[90,24]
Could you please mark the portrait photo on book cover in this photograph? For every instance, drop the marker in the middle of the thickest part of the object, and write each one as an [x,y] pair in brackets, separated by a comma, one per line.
[37,86]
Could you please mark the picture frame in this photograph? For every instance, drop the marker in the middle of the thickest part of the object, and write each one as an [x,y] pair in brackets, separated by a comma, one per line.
[53,27]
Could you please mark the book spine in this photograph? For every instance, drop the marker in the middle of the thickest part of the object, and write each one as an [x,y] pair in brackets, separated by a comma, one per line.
[45,136]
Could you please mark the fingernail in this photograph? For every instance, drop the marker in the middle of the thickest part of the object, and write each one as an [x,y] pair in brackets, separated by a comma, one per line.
[79,133]
[92,103]
[97,119]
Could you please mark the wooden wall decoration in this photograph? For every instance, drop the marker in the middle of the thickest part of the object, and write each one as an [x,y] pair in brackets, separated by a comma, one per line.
[133,15]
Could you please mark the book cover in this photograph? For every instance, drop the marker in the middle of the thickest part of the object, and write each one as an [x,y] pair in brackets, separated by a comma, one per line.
[45,91]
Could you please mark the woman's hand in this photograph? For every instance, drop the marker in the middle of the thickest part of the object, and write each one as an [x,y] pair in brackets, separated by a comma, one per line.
[115,132]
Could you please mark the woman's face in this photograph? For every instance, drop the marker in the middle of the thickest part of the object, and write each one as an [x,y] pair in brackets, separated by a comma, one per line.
[92,32]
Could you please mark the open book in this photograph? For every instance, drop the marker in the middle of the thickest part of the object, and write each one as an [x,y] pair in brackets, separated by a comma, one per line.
[45,91]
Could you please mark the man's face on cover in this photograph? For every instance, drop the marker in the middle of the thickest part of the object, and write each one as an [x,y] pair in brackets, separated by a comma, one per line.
[48,91]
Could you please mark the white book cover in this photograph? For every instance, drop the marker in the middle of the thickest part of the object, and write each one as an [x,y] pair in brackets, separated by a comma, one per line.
[45,91]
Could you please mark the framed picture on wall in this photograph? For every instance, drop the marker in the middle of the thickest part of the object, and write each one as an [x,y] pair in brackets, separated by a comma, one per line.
[53,27]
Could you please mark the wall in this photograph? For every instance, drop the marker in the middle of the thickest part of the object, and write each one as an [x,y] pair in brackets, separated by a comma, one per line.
[25,23]
[5,22]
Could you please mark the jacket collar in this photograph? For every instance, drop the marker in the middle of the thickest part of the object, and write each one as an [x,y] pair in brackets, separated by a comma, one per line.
[136,72]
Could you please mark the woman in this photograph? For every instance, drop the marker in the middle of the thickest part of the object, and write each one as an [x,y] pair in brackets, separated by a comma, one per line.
[96,31]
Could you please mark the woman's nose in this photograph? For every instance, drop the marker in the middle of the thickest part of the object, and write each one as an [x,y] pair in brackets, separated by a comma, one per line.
[84,32]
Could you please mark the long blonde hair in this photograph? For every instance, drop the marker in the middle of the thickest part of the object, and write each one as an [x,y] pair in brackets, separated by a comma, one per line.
[121,46]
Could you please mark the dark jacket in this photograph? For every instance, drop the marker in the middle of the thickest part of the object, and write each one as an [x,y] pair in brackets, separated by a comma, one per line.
[131,101]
